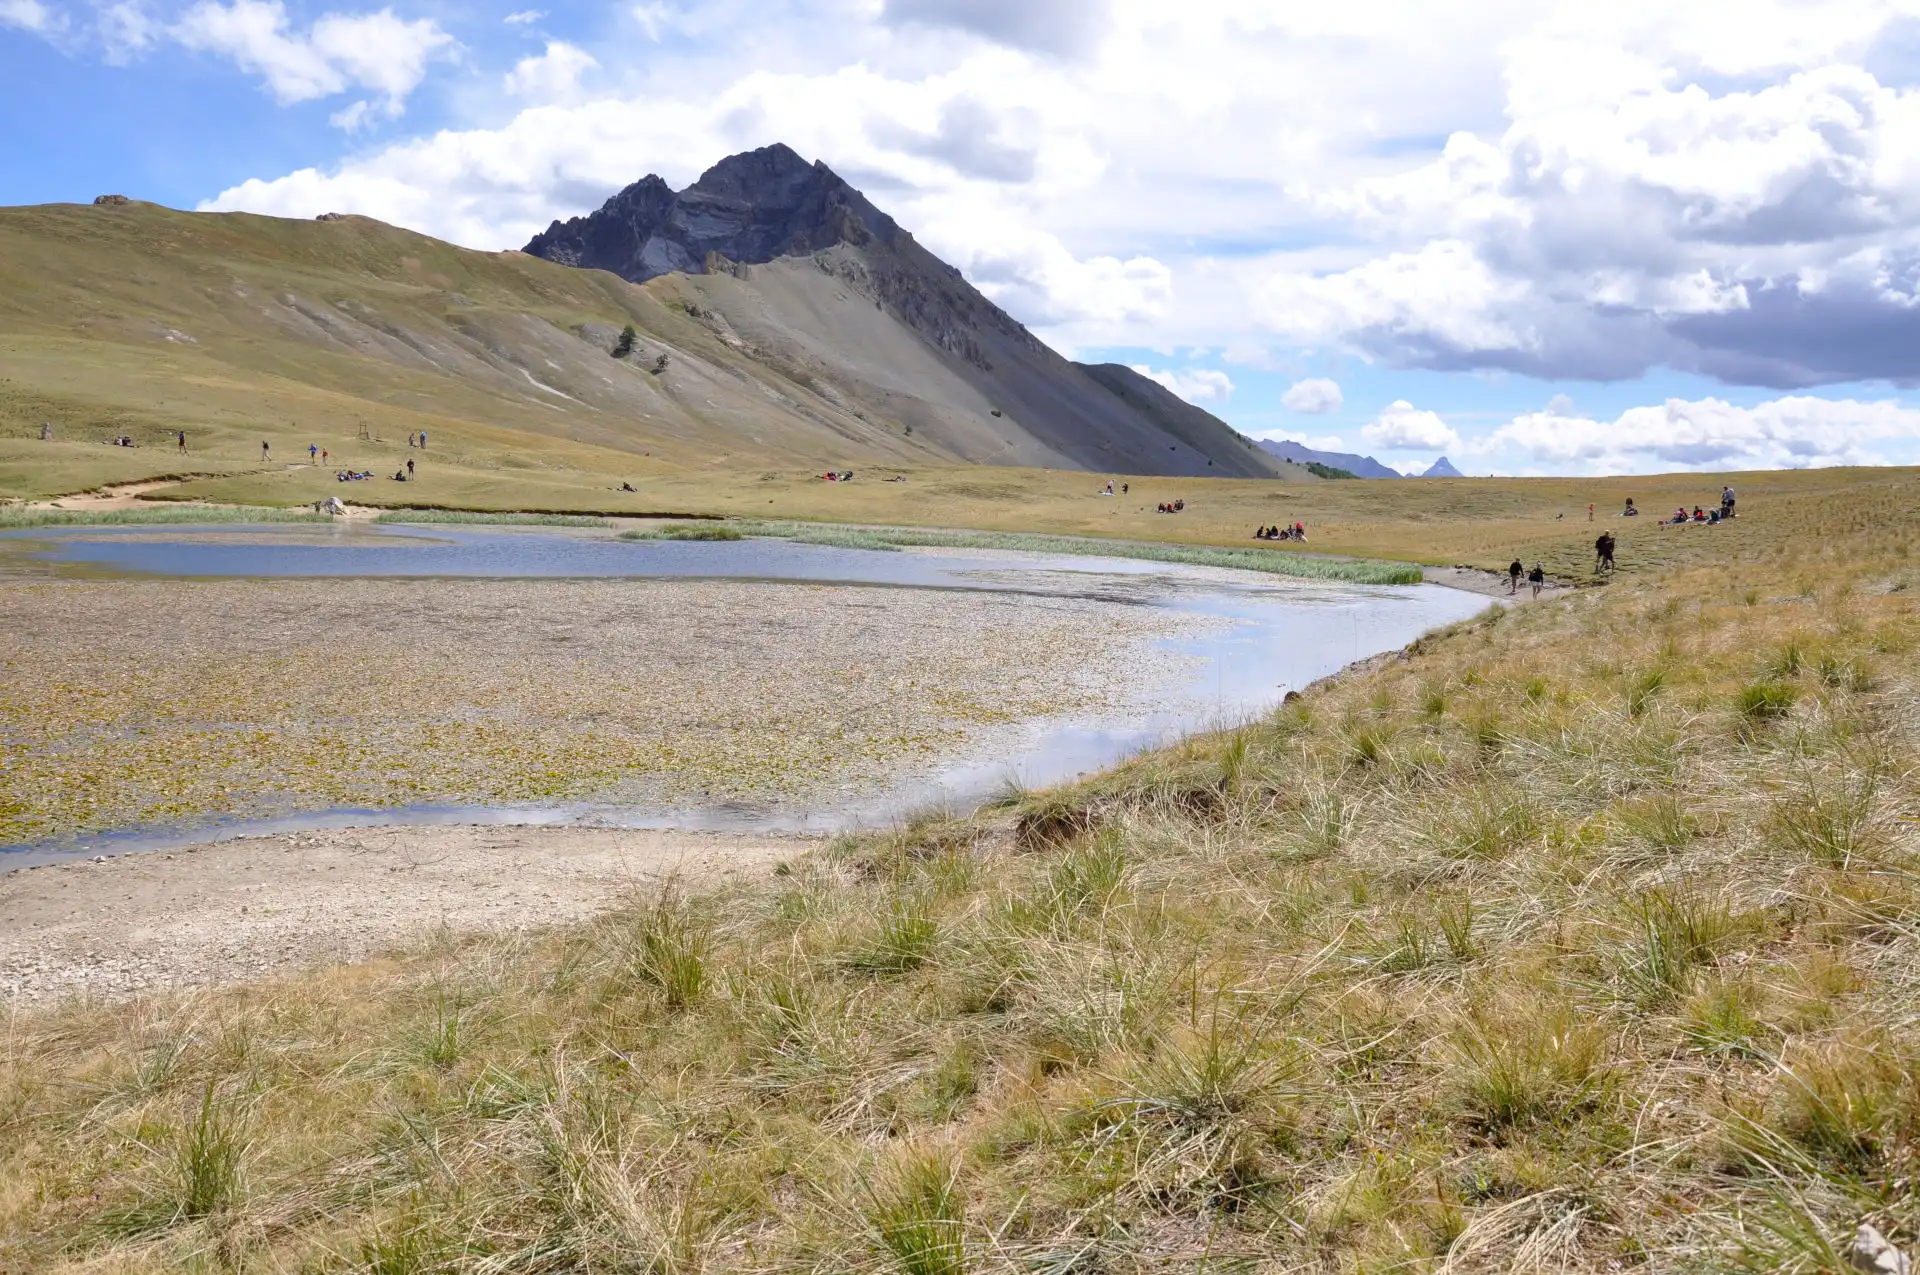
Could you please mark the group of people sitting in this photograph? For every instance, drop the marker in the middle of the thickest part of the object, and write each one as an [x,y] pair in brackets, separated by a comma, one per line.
[1172,507]
[1297,532]
[1108,489]
[121,441]
[352,476]
[837,476]
[1682,518]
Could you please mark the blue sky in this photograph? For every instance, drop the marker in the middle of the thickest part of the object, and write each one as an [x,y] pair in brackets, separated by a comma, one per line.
[1538,237]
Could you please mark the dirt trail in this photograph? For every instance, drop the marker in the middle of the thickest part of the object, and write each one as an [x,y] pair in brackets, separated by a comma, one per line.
[133,496]
[241,910]
[1490,583]
[121,496]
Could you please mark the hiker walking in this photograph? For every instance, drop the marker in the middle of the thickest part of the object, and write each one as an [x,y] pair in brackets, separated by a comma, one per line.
[263,449]
[1603,552]
[313,452]
[1726,503]
[1537,578]
[1514,569]
[182,436]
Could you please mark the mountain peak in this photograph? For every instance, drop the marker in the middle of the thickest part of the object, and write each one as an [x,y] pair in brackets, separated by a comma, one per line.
[1442,468]
[751,207]
[745,173]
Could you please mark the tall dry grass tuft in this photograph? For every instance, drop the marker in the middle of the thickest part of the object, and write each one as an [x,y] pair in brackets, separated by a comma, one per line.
[668,945]
[918,1215]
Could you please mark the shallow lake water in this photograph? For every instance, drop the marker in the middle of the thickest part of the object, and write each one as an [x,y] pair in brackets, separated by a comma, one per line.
[1270,635]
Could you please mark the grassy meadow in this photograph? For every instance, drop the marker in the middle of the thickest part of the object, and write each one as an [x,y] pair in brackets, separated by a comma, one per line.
[1581,937]
[1483,522]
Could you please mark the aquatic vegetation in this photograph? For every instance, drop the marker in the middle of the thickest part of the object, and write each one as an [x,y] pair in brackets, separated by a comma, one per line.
[274,696]
[482,518]
[1270,561]
[14,517]
[685,531]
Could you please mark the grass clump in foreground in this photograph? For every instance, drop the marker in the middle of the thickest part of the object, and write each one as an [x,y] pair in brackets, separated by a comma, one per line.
[462,516]
[1498,957]
[1270,561]
[18,517]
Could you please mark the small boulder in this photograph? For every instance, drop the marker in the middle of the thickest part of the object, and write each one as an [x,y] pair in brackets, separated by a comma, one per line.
[331,217]
[110,201]
[1873,1254]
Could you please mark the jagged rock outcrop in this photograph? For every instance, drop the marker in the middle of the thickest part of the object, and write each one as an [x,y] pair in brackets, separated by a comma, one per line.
[749,208]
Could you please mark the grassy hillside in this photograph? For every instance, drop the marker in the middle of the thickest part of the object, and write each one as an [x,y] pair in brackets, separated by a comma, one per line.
[351,335]
[143,320]
[1579,938]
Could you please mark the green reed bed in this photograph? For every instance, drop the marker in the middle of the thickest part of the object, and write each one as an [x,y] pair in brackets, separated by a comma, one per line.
[21,516]
[480,517]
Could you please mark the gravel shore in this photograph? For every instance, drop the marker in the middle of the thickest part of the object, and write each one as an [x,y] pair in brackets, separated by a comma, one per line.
[245,910]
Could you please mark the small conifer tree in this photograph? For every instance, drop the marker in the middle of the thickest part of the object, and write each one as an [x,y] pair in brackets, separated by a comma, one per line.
[624,346]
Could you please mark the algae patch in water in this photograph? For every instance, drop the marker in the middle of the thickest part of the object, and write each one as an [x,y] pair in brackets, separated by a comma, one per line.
[133,703]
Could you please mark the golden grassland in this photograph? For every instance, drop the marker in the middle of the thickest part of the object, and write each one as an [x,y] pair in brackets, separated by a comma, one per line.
[1580,937]
[1482,522]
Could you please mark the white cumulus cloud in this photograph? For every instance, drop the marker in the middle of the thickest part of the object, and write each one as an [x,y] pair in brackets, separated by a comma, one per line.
[1403,427]
[1194,384]
[553,76]
[1795,432]
[28,15]
[126,31]
[1314,396]
[378,53]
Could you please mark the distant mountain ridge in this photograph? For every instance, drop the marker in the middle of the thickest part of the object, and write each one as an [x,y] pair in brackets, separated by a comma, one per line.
[1300,454]
[1358,466]
[771,252]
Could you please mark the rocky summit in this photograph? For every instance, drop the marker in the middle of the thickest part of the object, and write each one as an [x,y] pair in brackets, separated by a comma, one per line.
[789,265]
[751,207]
